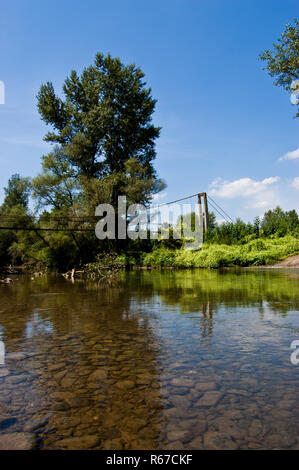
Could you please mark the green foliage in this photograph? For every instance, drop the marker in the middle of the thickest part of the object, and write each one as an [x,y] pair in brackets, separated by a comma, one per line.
[104,119]
[7,238]
[57,185]
[138,184]
[283,60]
[160,257]
[17,193]
[212,223]
[106,265]
[230,232]
[275,222]
[278,222]
[254,253]
[14,212]
[134,183]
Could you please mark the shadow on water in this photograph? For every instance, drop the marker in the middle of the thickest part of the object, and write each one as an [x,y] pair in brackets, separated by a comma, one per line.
[173,359]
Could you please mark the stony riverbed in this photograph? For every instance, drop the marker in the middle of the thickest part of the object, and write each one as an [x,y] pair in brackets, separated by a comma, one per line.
[149,366]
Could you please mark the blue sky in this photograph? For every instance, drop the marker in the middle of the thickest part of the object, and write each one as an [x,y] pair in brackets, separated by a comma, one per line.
[225,126]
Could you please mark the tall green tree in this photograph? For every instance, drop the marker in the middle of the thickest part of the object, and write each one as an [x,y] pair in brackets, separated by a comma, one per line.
[104,119]
[17,192]
[283,60]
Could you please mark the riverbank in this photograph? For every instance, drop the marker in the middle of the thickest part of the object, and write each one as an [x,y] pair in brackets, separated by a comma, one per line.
[257,252]
[280,253]
[290,262]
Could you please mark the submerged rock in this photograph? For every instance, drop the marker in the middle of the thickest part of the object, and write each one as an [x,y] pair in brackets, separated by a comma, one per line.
[177,435]
[218,441]
[36,423]
[98,375]
[206,386]
[182,382]
[255,428]
[4,372]
[209,399]
[125,384]
[16,379]
[16,441]
[195,444]
[18,356]
[79,443]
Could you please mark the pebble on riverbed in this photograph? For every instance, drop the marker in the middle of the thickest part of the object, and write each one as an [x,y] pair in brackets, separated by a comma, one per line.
[17,441]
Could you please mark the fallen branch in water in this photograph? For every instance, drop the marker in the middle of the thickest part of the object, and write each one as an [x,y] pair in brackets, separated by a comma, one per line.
[105,267]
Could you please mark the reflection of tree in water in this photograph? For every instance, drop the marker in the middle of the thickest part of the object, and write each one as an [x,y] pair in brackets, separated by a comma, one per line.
[97,362]
[191,290]
[207,320]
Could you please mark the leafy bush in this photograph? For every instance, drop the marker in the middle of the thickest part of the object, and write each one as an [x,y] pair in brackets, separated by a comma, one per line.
[160,257]
[254,253]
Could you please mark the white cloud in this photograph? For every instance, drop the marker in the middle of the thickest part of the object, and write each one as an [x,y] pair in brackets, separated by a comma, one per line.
[247,197]
[260,195]
[290,155]
[295,183]
[242,187]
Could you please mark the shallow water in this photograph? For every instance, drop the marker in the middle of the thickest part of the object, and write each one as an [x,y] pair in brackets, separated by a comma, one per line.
[172,359]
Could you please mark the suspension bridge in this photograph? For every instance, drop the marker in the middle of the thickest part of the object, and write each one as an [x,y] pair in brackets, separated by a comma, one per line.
[82,223]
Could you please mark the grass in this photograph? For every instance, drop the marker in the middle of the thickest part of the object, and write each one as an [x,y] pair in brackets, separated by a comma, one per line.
[256,252]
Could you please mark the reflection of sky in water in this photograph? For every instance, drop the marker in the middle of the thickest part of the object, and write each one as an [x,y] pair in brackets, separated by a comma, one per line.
[37,325]
[256,336]
[271,318]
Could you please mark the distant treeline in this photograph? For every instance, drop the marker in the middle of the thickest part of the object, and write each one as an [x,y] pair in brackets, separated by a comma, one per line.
[266,240]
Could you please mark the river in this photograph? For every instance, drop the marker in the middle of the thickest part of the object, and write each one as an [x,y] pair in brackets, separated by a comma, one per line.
[190,359]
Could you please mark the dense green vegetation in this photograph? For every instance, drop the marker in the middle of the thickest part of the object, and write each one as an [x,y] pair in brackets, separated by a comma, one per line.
[263,242]
[253,253]
[228,244]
